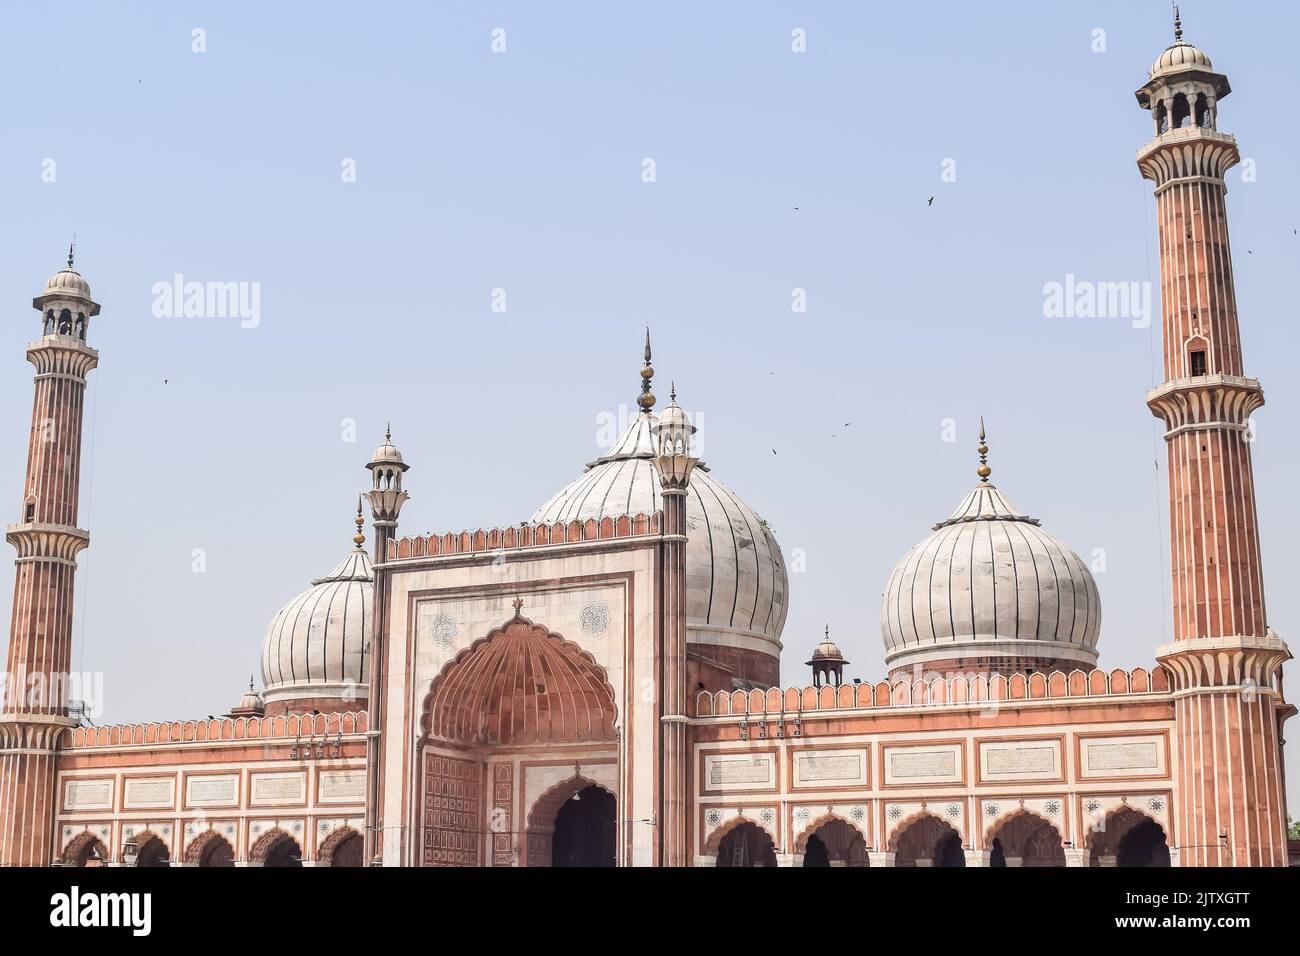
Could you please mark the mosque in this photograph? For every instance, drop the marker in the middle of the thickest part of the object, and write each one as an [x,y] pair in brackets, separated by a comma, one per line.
[597,686]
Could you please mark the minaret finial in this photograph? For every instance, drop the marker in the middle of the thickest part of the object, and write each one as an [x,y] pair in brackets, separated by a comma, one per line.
[672,396]
[828,632]
[1178,25]
[646,399]
[250,683]
[388,432]
[72,249]
[983,470]
[359,537]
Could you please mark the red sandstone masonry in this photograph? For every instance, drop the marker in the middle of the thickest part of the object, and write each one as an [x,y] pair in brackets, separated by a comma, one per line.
[525,536]
[957,690]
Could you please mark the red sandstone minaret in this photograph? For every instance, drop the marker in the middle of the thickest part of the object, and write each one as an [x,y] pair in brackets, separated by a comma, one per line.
[1225,662]
[34,713]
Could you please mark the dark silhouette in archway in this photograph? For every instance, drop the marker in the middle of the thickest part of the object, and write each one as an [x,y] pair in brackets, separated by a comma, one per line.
[1143,845]
[585,829]
[815,853]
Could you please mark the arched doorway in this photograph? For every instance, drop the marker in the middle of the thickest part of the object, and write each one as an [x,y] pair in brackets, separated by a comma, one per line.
[1025,839]
[585,829]
[928,841]
[835,843]
[1143,845]
[1128,837]
[86,850]
[519,686]
[746,844]
[342,848]
[153,852]
[210,849]
[276,848]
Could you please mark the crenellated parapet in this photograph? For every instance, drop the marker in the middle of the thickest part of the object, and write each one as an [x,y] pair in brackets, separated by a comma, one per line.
[974,689]
[525,536]
[220,729]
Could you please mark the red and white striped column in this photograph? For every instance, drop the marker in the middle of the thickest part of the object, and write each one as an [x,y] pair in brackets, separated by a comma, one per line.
[34,712]
[1224,661]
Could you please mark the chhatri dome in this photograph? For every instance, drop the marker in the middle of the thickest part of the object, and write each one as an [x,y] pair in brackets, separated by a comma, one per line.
[317,647]
[735,576]
[990,590]
[1180,55]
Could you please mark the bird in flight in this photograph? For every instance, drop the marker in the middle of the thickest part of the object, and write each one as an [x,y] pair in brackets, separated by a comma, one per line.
[930,201]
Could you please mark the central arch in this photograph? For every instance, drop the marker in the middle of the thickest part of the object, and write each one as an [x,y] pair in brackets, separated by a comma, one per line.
[210,849]
[275,848]
[521,684]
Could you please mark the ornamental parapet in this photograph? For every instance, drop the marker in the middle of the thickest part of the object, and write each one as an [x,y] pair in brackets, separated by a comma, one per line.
[959,690]
[526,536]
[282,729]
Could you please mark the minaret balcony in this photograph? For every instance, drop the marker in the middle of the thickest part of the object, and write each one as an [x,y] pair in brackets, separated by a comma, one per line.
[1205,401]
[1188,153]
[45,541]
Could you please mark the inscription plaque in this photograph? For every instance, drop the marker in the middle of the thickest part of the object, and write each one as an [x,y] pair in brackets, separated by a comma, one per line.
[279,788]
[342,786]
[150,793]
[211,791]
[759,770]
[88,794]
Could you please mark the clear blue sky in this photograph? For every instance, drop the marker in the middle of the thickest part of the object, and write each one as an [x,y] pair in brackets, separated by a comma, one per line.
[523,171]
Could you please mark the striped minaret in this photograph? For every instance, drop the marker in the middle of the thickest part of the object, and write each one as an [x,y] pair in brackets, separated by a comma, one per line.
[1224,660]
[34,712]
[675,465]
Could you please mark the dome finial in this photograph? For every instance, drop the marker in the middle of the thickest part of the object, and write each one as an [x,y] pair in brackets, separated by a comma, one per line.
[646,399]
[672,393]
[359,537]
[1178,25]
[72,249]
[983,470]
[250,683]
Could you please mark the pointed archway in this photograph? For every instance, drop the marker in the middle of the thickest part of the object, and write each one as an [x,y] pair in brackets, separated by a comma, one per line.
[86,849]
[210,849]
[574,823]
[926,840]
[520,686]
[1023,838]
[1128,837]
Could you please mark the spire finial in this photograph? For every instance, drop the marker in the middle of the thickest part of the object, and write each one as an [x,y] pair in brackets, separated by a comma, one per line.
[388,432]
[828,632]
[646,399]
[1178,25]
[359,537]
[673,393]
[983,470]
[72,249]
[250,683]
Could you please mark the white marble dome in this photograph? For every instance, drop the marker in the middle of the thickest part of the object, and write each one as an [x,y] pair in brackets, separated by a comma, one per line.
[1181,56]
[990,587]
[68,283]
[317,646]
[735,576]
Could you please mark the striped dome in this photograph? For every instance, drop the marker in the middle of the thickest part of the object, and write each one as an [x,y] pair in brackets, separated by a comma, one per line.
[990,587]
[1179,57]
[317,647]
[67,283]
[735,576]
